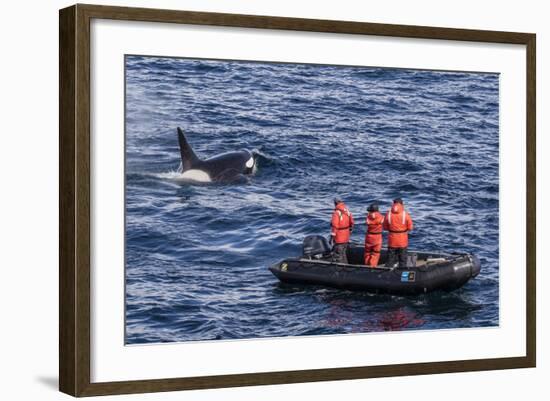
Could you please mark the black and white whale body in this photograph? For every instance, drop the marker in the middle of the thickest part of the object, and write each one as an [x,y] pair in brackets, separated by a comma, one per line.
[226,167]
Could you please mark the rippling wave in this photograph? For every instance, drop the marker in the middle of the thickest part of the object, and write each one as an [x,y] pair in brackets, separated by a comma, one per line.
[197,255]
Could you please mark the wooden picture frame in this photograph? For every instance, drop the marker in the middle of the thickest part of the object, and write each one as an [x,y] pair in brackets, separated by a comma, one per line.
[74,199]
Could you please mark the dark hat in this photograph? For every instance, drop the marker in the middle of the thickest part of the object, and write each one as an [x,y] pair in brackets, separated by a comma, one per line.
[398,200]
[337,200]
[373,207]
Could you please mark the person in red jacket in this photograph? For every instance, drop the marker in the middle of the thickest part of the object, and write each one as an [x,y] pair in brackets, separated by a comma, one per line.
[373,237]
[341,228]
[398,222]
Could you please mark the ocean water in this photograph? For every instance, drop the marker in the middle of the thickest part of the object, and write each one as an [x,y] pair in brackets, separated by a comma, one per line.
[197,254]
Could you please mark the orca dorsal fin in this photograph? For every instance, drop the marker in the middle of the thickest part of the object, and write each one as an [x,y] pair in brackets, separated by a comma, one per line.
[188,156]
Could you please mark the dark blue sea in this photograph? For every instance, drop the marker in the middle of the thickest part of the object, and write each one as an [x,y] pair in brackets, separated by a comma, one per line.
[197,254]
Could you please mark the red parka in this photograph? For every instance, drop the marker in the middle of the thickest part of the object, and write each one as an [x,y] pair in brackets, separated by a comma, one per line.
[341,224]
[374,223]
[373,238]
[398,222]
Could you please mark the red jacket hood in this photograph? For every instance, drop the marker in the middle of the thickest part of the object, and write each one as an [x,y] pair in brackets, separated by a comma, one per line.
[373,215]
[397,208]
[341,206]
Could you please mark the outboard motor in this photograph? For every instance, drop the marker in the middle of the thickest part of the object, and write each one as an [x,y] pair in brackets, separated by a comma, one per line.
[316,247]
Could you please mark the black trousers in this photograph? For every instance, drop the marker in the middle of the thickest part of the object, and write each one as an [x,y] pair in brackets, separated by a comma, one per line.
[339,253]
[395,254]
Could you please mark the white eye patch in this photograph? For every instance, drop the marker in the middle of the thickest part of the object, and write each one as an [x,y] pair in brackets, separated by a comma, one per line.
[250,163]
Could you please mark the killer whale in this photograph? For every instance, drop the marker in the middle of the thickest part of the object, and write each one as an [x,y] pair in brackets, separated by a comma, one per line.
[225,167]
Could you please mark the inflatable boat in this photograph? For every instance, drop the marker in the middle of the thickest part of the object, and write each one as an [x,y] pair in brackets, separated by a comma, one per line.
[425,271]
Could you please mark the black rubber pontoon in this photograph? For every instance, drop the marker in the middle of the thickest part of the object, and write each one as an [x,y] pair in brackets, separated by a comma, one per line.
[425,271]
